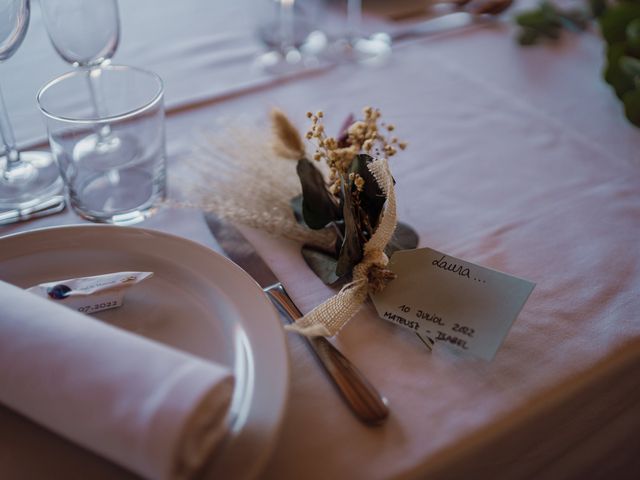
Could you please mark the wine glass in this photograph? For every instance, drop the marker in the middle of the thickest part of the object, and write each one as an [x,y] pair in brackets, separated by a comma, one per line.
[370,50]
[30,183]
[289,32]
[85,33]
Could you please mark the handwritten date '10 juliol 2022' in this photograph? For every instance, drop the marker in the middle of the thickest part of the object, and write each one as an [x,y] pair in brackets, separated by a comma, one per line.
[447,300]
[433,319]
[436,320]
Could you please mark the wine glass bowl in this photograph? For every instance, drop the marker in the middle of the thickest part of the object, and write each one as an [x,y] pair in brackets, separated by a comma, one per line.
[13,28]
[85,33]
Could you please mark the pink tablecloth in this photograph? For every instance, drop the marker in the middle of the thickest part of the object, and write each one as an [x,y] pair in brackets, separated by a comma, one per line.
[519,160]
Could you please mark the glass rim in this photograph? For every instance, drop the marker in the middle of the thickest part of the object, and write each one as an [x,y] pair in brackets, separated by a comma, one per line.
[157,97]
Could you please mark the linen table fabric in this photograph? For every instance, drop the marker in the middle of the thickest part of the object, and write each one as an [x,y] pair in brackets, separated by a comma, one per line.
[152,409]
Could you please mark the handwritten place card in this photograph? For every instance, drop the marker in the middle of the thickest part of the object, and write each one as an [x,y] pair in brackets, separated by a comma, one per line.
[465,306]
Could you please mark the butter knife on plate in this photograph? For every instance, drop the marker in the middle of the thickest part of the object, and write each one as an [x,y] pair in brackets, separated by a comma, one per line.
[357,392]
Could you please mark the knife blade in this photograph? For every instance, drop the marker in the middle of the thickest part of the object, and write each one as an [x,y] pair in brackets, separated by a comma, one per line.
[357,392]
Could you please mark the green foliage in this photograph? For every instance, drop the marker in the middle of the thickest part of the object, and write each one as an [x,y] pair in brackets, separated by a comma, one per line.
[630,66]
[597,7]
[614,21]
[631,102]
[620,27]
[633,35]
[546,22]
[614,75]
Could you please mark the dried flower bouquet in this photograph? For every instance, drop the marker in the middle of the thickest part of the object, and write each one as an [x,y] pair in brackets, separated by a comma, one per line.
[349,201]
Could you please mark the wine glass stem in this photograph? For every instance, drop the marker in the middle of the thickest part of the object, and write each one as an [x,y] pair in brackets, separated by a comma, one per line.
[8,139]
[93,74]
[354,17]
[97,102]
[286,25]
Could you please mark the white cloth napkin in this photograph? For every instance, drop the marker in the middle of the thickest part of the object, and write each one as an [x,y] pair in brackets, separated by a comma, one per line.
[152,409]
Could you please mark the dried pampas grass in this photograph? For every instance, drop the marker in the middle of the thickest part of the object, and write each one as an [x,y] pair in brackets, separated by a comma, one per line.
[244,175]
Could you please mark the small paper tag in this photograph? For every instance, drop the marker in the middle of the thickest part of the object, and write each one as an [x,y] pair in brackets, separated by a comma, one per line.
[465,306]
[90,294]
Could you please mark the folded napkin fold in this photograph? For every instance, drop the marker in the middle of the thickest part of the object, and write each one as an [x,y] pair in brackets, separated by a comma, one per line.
[147,407]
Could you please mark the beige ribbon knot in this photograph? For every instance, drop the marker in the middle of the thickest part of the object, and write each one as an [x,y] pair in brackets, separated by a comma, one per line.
[370,274]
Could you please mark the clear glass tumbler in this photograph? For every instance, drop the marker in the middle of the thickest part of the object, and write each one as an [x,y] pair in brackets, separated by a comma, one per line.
[108,188]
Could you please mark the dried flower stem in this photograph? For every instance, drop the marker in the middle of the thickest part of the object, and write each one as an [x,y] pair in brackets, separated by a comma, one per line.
[364,136]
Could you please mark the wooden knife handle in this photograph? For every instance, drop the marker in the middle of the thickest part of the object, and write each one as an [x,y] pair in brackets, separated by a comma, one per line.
[361,397]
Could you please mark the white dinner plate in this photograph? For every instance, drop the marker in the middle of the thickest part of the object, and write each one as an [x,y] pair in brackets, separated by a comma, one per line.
[196,301]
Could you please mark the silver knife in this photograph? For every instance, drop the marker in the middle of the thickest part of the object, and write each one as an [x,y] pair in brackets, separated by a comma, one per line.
[358,393]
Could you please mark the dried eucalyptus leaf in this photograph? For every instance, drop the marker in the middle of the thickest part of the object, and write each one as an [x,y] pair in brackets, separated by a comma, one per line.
[404,238]
[318,208]
[322,264]
[296,207]
[351,249]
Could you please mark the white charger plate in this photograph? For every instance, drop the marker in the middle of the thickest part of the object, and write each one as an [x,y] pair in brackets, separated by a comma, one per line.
[196,301]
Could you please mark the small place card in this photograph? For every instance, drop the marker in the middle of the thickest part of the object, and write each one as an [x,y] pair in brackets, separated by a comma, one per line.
[468,307]
[90,294]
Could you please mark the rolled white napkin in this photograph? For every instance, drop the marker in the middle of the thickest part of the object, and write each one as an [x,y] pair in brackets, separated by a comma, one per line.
[147,407]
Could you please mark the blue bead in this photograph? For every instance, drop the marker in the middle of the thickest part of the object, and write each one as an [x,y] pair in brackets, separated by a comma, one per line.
[58,292]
